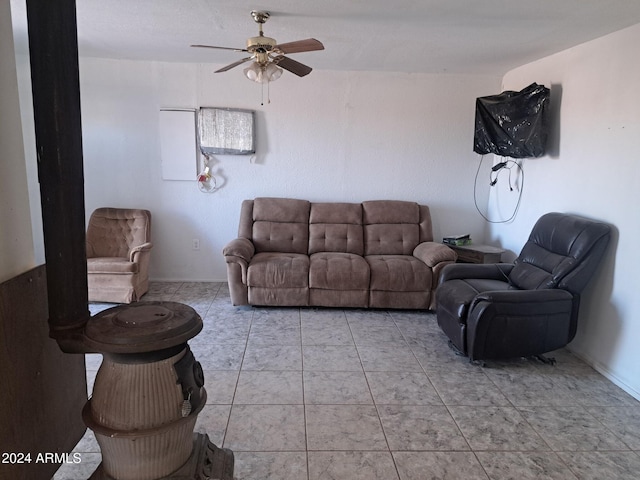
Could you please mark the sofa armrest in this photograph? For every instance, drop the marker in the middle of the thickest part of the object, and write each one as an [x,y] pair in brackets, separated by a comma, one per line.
[239,247]
[490,271]
[239,251]
[432,253]
[135,252]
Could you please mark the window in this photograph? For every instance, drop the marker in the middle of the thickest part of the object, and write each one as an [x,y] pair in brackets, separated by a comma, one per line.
[226,131]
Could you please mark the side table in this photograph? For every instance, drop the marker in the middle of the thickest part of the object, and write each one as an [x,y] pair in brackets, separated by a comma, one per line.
[477,253]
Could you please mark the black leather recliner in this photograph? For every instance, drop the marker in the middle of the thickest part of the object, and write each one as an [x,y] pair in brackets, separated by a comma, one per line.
[530,307]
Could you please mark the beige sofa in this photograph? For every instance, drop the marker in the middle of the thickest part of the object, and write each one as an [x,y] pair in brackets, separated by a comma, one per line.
[375,254]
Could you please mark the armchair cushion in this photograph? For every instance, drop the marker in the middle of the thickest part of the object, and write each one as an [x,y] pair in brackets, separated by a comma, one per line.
[111,265]
[112,232]
[557,245]
[495,271]
[460,294]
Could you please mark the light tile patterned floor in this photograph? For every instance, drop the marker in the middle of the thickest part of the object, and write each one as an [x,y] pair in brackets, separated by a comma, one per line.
[324,394]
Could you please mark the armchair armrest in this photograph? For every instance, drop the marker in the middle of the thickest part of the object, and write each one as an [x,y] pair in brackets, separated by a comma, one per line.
[517,323]
[133,253]
[89,249]
[432,253]
[490,271]
[239,247]
[543,298]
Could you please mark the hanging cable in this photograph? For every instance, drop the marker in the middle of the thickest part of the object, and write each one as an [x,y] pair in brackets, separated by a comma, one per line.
[206,180]
[493,180]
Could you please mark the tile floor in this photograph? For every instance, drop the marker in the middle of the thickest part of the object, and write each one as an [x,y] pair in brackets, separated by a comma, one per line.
[323,394]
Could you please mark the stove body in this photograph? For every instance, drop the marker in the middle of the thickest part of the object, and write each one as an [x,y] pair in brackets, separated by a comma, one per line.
[147,395]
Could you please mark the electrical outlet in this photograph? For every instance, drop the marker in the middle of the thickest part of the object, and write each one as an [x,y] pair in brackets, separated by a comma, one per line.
[195,244]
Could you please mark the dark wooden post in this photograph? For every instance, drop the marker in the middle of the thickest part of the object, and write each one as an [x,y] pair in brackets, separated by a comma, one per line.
[53,49]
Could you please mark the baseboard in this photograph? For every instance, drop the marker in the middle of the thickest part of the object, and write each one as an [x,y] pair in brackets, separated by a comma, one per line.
[607,373]
[189,280]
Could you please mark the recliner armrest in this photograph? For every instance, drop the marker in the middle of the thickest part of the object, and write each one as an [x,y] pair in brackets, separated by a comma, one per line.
[490,271]
[241,247]
[138,249]
[516,323]
[544,297]
[432,253]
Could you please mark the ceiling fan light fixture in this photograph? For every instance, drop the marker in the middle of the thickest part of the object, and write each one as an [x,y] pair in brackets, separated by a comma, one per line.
[263,73]
[272,72]
[253,72]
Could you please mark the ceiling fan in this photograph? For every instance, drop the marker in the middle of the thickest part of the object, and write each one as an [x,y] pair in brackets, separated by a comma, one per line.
[268,56]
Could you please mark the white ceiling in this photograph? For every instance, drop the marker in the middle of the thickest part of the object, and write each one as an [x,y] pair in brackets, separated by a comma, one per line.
[434,36]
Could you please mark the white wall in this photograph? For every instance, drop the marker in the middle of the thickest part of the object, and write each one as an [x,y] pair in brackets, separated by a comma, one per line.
[594,171]
[331,136]
[16,247]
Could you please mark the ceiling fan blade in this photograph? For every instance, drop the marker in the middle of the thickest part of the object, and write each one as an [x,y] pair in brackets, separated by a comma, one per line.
[308,45]
[291,65]
[221,48]
[234,64]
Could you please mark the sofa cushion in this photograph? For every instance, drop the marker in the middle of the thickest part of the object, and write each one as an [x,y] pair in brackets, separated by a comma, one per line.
[391,227]
[338,271]
[279,297]
[400,239]
[336,227]
[278,270]
[280,225]
[399,273]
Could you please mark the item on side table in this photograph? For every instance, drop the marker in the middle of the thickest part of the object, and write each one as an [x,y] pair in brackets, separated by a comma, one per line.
[457,240]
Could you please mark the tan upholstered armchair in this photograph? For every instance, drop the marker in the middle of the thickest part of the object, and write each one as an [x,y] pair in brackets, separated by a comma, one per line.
[118,251]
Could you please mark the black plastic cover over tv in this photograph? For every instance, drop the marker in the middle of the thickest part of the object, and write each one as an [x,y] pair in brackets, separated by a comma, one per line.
[513,124]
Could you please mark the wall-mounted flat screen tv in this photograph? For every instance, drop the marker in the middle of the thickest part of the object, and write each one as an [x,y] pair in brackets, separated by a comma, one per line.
[513,124]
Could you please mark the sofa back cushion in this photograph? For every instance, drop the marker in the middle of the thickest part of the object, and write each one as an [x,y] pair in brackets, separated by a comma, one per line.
[280,225]
[336,227]
[393,227]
